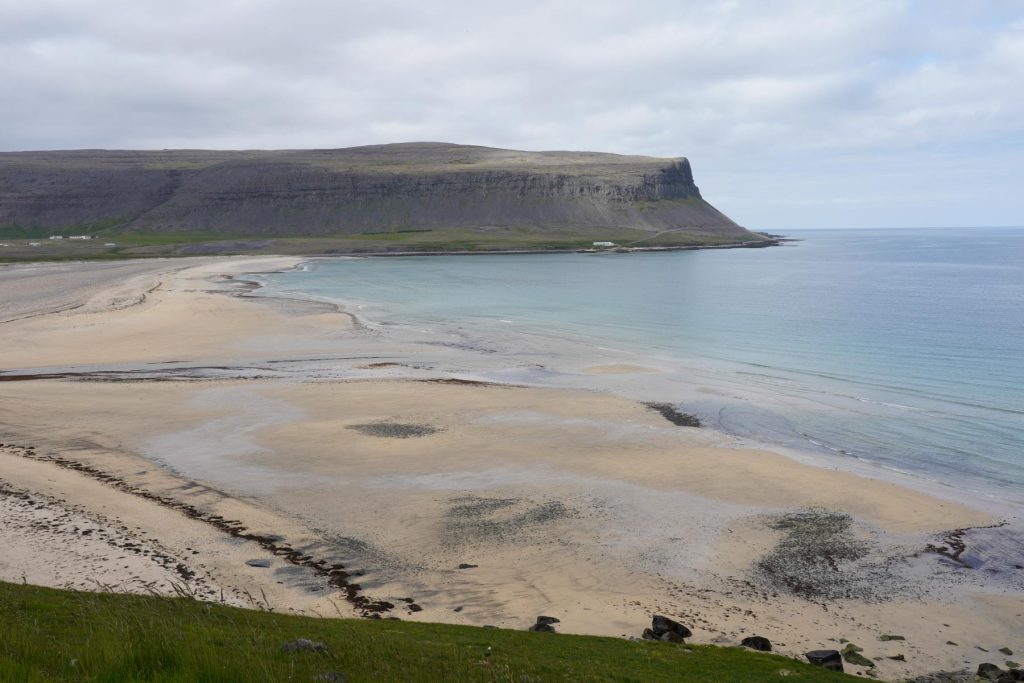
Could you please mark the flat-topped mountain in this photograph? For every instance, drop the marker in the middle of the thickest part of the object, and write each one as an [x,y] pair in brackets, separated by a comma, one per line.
[359,190]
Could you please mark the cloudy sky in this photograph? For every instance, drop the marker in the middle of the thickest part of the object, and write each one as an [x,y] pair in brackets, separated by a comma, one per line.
[793,113]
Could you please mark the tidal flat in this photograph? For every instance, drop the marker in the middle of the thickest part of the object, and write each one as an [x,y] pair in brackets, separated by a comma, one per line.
[165,429]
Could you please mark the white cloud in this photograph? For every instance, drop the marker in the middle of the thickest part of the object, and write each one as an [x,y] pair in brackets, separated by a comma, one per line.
[779,103]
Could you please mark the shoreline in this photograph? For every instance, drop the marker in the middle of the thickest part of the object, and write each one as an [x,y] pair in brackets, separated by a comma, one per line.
[550,492]
[190,250]
[775,241]
[643,362]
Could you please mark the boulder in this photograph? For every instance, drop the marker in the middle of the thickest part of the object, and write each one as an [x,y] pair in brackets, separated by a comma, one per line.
[544,625]
[662,625]
[757,643]
[262,564]
[648,634]
[989,671]
[671,637]
[826,659]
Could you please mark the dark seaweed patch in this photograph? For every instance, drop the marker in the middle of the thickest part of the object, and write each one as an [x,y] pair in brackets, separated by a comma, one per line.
[474,520]
[669,412]
[334,574]
[821,557]
[395,430]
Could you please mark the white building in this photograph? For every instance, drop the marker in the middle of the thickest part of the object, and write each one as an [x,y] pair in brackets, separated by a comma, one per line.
[604,244]
[56,237]
[79,237]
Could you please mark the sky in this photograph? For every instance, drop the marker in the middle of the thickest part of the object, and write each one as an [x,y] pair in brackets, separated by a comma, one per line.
[794,114]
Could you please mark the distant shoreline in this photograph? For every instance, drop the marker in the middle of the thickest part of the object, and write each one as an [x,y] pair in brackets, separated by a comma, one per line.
[773,242]
[277,246]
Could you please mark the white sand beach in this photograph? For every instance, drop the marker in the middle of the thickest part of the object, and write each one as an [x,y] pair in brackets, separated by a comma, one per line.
[242,449]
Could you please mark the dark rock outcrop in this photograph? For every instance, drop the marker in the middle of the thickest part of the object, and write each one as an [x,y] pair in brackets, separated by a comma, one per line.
[544,625]
[989,671]
[757,643]
[381,188]
[826,659]
[992,672]
[660,625]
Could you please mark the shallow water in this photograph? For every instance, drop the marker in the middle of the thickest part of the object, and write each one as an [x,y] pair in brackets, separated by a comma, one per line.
[902,347]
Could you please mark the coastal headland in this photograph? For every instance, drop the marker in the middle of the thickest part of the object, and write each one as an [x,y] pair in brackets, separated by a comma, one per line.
[164,429]
[423,197]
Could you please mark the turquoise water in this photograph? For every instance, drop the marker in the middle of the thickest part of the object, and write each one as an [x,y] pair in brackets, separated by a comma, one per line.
[913,339]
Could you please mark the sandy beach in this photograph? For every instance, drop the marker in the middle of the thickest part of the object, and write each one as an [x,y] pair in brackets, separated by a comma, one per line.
[163,430]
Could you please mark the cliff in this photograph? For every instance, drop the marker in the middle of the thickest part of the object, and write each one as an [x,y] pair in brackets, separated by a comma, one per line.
[381,188]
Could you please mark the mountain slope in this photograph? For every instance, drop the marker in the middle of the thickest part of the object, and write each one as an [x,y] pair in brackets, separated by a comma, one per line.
[359,190]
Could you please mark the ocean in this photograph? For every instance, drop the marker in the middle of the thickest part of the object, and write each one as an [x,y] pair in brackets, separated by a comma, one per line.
[903,348]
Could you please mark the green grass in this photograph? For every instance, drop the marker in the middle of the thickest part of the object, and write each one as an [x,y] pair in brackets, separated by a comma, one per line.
[10,231]
[48,634]
[167,244]
[136,239]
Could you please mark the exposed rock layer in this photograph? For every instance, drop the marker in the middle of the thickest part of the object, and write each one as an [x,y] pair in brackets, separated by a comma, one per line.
[412,186]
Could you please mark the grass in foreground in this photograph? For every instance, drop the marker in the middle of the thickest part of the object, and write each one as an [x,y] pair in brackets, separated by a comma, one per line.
[48,634]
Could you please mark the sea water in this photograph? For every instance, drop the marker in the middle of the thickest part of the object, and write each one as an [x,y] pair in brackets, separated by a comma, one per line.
[899,347]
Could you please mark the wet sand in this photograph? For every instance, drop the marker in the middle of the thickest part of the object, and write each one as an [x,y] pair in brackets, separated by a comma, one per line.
[168,403]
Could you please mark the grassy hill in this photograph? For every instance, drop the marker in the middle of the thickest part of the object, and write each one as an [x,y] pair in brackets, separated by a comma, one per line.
[54,635]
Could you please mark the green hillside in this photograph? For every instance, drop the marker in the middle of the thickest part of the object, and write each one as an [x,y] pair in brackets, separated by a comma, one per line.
[54,635]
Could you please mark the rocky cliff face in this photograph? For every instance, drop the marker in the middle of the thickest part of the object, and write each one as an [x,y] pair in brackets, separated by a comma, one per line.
[347,191]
